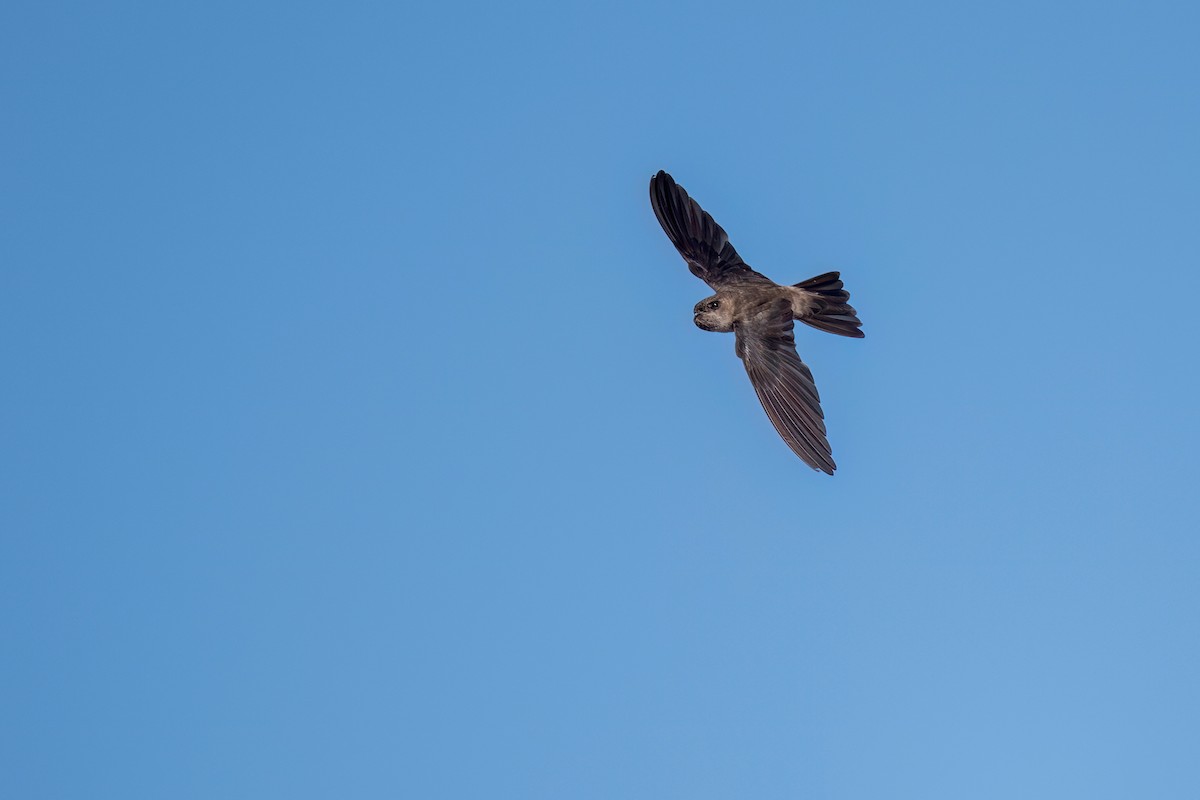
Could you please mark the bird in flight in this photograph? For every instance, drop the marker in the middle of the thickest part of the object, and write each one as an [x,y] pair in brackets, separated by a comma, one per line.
[760,313]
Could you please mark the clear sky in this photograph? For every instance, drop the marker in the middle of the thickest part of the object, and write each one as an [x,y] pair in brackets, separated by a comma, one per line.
[357,441]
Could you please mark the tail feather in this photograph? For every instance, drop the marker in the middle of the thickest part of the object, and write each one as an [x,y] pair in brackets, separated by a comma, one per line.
[834,314]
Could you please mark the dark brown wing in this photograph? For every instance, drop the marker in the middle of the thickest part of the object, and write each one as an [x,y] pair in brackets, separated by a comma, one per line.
[784,384]
[697,237]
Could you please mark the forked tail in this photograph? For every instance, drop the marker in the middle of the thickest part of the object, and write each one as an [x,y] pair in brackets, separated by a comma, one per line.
[833,314]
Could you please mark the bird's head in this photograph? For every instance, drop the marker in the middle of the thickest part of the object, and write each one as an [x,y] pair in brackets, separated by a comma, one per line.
[714,314]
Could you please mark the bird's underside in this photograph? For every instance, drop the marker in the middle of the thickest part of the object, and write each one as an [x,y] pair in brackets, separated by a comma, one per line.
[761,314]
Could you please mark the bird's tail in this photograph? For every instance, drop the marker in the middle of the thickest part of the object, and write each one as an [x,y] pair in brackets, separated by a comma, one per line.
[834,314]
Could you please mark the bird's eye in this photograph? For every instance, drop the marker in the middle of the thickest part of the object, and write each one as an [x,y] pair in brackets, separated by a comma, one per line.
[714,305]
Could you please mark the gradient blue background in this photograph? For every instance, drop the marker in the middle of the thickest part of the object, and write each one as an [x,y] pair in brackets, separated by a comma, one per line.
[357,441]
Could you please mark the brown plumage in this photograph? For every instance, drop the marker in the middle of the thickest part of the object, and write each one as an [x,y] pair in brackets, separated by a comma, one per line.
[760,313]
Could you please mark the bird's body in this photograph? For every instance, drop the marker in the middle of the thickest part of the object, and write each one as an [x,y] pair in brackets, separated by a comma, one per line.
[735,304]
[761,313]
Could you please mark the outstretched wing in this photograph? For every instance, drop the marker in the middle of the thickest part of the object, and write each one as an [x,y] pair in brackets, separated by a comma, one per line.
[784,384]
[697,237]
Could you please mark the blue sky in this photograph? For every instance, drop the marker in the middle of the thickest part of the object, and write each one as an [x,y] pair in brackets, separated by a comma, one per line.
[358,442]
